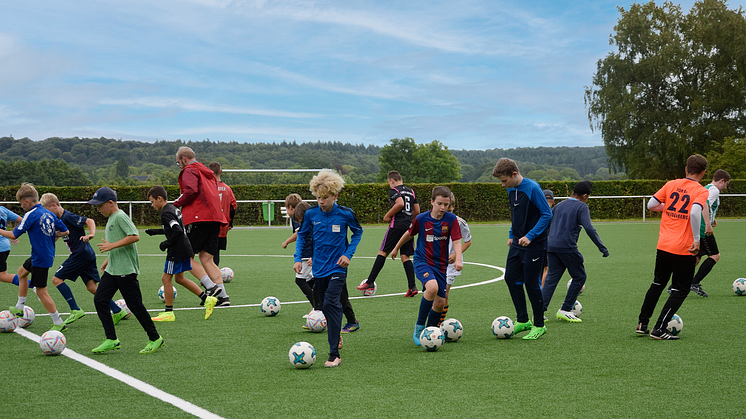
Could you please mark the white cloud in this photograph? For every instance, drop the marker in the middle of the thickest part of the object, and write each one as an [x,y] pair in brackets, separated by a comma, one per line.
[195,106]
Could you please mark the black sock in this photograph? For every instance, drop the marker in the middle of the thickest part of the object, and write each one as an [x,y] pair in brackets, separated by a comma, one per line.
[169,308]
[704,269]
[409,270]
[377,266]
[203,297]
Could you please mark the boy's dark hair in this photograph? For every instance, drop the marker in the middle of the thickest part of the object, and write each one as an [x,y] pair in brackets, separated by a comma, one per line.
[696,164]
[216,168]
[292,200]
[504,167]
[394,175]
[582,188]
[441,191]
[157,191]
[300,211]
[721,174]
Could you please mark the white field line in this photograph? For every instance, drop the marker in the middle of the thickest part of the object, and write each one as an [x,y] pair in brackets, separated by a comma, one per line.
[129,380]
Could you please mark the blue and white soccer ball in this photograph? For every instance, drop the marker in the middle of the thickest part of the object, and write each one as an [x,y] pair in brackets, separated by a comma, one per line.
[227,274]
[52,342]
[162,296]
[123,305]
[675,325]
[577,308]
[27,318]
[503,327]
[432,338]
[302,355]
[739,286]
[452,329]
[316,321]
[8,321]
[270,306]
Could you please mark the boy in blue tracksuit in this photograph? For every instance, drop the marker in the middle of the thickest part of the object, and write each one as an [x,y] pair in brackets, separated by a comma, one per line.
[562,248]
[328,224]
[530,215]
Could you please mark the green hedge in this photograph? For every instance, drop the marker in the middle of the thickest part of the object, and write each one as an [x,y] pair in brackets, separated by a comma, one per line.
[476,202]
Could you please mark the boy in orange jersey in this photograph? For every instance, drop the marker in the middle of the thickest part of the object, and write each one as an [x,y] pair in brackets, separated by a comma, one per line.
[682,202]
[228,206]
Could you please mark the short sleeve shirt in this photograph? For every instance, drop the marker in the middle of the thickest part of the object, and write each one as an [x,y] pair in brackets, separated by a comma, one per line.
[403,218]
[122,260]
[5,216]
[434,236]
[42,227]
[76,225]
[678,196]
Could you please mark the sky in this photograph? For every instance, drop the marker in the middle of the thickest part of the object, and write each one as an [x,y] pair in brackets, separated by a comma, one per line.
[470,74]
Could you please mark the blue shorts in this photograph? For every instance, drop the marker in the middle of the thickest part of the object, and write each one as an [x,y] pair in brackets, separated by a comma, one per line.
[427,273]
[177,266]
[74,267]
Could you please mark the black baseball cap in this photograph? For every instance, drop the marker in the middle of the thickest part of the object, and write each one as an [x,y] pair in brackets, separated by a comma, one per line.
[102,195]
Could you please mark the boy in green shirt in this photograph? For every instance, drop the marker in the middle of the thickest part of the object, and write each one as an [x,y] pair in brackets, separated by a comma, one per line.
[120,273]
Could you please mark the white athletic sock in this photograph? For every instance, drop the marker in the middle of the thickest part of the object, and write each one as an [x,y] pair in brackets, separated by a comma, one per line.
[222,287]
[207,282]
[21,303]
[56,318]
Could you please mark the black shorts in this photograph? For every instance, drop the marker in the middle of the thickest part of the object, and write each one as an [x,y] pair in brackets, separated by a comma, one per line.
[4,261]
[222,243]
[73,268]
[204,237]
[39,277]
[708,246]
[27,264]
[392,238]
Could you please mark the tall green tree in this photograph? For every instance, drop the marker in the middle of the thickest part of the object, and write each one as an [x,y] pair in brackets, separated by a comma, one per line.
[730,156]
[123,168]
[675,86]
[419,163]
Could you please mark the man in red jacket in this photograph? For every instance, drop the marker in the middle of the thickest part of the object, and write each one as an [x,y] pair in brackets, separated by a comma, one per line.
[203,217]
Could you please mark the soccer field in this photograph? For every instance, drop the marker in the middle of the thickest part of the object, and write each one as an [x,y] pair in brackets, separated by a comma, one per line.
[236,363]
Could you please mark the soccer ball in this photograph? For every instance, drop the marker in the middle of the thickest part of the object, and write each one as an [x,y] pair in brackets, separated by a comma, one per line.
[28,317]
[52,342]
[452,329]
[8,321]
[270,306]
[577,308]
[227,274]
[369,292]
[739,286]
[570,282]
[675,325]
[161,295]
[503,327]
[432,338]
[316,321]
[302,355]
[123,305]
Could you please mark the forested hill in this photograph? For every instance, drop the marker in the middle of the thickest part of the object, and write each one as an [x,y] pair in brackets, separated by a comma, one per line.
[104,160]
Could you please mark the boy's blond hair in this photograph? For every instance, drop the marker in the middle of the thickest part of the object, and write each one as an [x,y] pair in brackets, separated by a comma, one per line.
[327,182]
[505,167]
[292,200]
[452,206]
[27,191]
[300,211]
[48,199]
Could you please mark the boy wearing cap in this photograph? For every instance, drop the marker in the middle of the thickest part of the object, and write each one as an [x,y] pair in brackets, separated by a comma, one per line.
[562,248]
[121,268]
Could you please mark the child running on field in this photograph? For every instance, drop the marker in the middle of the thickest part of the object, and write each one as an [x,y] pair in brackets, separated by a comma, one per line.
[43,229]
[304,279]
[82,260]
[121,268]
[328,223]
[435,230]
[6,216]
[452,272]
[178,257]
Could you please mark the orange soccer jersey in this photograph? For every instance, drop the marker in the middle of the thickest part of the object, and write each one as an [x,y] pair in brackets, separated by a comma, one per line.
[678,196]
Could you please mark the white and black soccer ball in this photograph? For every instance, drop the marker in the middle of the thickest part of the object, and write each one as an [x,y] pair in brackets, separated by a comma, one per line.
[432,338]
[316,321]
[8,321]
[577,308]
[369,292]
[739,286]
[570,282]
[27,318]
[123,305]
[52,342]
[162,296]
[675,325]
[302,355]
[227,274]
[452,329]
[270,306]
[503,327]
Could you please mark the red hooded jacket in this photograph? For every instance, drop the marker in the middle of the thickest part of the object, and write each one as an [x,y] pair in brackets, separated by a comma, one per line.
[199,199]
